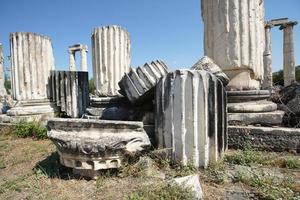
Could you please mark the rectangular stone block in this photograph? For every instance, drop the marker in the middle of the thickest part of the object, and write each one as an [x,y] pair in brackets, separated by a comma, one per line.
[191,116]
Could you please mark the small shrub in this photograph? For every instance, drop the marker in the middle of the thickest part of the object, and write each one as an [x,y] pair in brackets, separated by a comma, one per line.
[30,129]
[92,86]
[162,191]
[292,163]
[216,173]
[246,157]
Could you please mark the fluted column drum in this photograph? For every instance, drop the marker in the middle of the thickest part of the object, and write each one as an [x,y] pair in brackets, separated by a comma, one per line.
[111,58]
[234,39]
[31,62]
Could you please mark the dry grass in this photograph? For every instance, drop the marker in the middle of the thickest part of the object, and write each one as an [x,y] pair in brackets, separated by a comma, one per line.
[29,169]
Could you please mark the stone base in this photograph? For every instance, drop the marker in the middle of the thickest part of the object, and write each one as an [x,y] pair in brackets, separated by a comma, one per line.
[247,95]
[38,110]
[262,118]
[264,138]
[92,174]
[252,107]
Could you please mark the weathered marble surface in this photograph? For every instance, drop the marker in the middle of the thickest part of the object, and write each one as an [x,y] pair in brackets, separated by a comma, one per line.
[192,182]
[191,116]
[70,92]
[252,106]
[138,83]
[247,95]
[3,91]
[209,65]
[288,53]
[111,58]
[31,62]
[96,144]
[234,39]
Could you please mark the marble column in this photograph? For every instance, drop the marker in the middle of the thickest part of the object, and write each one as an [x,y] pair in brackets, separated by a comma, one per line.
[2,75]
[234,39]
[288,53]
[31,62]
[191,116]
[83,59]
[111,58]
[72,62]
[268,77]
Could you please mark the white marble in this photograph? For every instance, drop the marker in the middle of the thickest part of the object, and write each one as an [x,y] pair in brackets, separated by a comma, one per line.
[111,58]
[234,39]
[83,49]
[3,91]
[31,62]
[190,114]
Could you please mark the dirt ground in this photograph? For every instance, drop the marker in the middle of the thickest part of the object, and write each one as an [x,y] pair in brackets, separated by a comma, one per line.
[29,169]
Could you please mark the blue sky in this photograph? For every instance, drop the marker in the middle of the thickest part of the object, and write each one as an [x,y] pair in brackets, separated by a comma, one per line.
[171,30]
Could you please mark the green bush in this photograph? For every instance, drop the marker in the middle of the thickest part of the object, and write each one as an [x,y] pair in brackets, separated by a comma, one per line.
[30,129]
[92,86]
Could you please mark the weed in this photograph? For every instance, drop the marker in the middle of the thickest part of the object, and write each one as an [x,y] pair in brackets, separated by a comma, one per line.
[269,187]
[30,129]
[292,163]
[162,191]
[216,173]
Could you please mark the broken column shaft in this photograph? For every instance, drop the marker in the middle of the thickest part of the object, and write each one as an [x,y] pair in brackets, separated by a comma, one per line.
[234,39]
[288,53]
[111,58]
[31,62]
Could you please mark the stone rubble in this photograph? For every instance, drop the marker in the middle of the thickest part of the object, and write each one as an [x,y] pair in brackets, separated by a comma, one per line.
[111,58]
[70,92]
[138,84]
[192,182]
[209,65]
[191,118]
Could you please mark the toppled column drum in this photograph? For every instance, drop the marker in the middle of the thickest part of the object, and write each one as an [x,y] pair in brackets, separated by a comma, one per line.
[191,116]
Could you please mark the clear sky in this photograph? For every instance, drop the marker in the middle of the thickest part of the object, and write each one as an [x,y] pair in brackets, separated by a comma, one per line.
[170,30]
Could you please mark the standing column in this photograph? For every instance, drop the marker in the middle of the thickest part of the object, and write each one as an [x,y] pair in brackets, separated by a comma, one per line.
[2,80]
[31,63]
[268,78]
[288,53]
[111,58]
[72,64]
[83,59]
[234,39]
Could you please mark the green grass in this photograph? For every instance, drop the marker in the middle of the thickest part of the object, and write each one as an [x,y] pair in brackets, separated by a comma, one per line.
[270,187]
[30,129]
[216,172]
[251,157]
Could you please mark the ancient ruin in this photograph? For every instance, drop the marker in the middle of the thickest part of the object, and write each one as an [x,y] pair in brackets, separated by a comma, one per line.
[69,90]
[234,39]
[83,49]
[3,91]
[111,58]
[31,62]
[191,116]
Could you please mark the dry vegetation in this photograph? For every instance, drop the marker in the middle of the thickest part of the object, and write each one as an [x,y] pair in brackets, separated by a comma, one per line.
[29,169]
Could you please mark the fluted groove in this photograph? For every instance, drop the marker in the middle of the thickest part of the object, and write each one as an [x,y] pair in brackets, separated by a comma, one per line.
[69,89]
[191,116]
[234,35]
[31,62]
[137,83]
[111,58]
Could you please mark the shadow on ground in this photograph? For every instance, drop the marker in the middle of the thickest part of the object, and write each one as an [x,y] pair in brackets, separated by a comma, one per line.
[53,169]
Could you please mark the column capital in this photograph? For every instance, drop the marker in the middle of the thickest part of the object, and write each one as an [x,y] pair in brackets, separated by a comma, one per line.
[283,26]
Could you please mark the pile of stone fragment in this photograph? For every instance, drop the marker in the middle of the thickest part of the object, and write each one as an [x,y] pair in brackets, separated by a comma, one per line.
[139,109]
